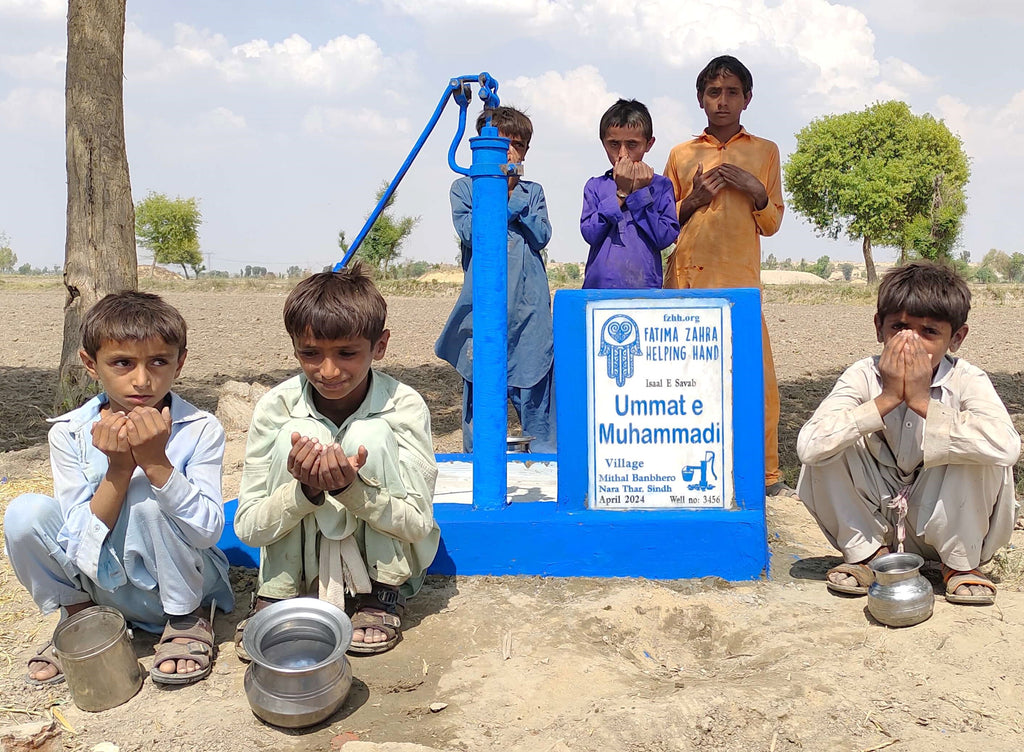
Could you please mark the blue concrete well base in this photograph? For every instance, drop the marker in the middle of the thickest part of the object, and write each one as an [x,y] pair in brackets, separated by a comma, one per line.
[536,538]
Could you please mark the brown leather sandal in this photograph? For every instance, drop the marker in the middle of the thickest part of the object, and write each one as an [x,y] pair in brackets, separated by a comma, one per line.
[200,648]
[45,655]
[256,603]
[382,609]
[954,579]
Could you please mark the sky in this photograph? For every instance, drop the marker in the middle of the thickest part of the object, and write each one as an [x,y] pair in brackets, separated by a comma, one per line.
[282,118]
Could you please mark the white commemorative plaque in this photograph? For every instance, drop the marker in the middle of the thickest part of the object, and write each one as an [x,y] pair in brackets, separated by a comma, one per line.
[660,412]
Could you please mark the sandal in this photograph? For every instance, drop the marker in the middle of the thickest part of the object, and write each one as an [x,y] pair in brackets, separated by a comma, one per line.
[381,609]
[955,579]
[781,488]
[256,603]
[200,648]
[860,572]
[46,655]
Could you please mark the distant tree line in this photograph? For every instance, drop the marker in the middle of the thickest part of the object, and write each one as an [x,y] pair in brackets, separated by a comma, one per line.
[996,266]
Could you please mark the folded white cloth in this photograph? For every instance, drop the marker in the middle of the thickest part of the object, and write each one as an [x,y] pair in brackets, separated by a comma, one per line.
[342,570]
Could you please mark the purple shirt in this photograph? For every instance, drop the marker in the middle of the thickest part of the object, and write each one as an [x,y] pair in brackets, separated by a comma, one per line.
[626,243]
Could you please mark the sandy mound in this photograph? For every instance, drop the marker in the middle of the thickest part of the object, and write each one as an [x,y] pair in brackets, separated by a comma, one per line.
[780,277]
[447,276]
[148,271]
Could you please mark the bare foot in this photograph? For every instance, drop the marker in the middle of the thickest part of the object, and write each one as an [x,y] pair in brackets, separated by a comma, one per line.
[978,585]
[182,666]
[974,590]
[41,670]
[370,635]
[848,580]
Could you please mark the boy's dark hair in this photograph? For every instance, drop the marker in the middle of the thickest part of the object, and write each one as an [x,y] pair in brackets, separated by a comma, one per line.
[725,64]
[507,120]
[627,113]
[336,305]
[925,289]
[131,316]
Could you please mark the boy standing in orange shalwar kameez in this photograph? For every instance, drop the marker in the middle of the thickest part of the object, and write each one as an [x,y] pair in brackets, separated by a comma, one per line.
[728,193]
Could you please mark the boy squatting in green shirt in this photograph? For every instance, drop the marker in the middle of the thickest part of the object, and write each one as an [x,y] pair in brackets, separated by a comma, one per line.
[338,482]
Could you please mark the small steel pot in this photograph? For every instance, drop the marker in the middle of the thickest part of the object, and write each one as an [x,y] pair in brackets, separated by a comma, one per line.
[97,658]
[299,675]
[900,596]
[518,444]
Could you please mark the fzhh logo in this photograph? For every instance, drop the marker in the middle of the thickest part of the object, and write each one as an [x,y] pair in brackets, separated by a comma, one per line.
[620,344]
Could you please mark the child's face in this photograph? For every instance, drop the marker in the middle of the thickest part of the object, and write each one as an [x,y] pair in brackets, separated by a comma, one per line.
[723,100]
[517,148]
[937,336]
[624,141]
[135,373]
[338,369]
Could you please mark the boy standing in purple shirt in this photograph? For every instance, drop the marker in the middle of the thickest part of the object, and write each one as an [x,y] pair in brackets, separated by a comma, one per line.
[629,213]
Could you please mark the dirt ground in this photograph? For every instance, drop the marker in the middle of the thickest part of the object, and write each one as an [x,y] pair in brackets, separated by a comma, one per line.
[532,664]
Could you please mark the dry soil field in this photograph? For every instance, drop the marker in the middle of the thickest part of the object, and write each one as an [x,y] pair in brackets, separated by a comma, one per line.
[556,665]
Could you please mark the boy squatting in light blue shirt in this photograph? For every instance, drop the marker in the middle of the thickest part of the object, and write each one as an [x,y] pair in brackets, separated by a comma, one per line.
[113,536]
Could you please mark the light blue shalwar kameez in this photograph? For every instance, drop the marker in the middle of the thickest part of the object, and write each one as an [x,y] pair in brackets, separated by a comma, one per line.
[160,557]
[530,339]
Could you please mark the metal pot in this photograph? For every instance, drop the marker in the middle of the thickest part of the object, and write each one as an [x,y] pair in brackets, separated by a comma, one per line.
[900,596]
[518,444]
[299,675]
[97,658]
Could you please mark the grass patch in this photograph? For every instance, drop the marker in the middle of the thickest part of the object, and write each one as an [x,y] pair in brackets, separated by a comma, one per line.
[24,282]
[838,293]
[820,294]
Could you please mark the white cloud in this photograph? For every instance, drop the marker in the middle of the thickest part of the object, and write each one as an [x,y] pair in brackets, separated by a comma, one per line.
[987,132]
[925,16]
[572,102]
[46,64]
[360,124]
[902,73]
[32,110]
[674,117]
[221,119]
[38,9]
[832,43]
[342,64]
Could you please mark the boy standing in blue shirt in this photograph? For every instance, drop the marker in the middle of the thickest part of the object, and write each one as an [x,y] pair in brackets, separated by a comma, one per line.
[138,508]
[530,339]
[629,213]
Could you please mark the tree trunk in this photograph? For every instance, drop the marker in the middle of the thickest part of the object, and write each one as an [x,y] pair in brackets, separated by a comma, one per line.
[869,261]
[99,254]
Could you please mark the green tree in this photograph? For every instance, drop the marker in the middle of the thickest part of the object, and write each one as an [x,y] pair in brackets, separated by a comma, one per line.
[294,271]
[771,262]
[847,270]
[822,267]
[8,258]
[169,229]
[882,175]
[998,262]
[383,243]
[984,275]
[1016,272]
